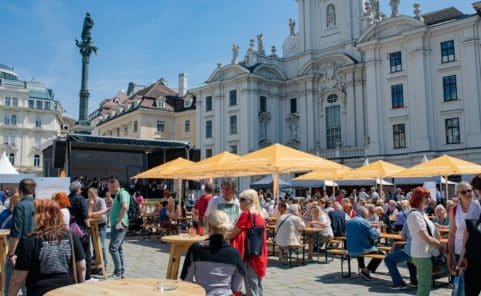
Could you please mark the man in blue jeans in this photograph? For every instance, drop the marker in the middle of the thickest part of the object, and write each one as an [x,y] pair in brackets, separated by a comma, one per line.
[401,255]
[120,222]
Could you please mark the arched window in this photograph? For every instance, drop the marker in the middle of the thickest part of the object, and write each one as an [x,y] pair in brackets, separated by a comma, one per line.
[13,120]
[36,161]
[11,157]
[330,16]
[332,98]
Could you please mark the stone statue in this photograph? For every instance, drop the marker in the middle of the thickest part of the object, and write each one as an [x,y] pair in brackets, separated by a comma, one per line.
[394,8]
[376,10]
[86,47]
[260,44]
[292,26]
[273,51]
[331,15]
[235,53]
[417,11]
[252,44]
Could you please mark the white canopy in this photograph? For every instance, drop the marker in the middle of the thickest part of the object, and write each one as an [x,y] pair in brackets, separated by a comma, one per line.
[5,166]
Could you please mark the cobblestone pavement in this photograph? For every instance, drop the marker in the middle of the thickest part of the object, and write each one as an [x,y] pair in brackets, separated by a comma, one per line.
[148,258]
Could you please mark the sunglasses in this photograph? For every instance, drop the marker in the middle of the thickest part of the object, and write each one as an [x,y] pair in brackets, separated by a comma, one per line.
[465,192]
[242,199]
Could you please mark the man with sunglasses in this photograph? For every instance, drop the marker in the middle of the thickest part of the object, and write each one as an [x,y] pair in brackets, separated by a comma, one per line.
[226,201]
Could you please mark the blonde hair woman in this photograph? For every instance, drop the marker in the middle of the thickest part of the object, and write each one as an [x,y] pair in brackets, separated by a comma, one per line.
[213,263]
[251,217]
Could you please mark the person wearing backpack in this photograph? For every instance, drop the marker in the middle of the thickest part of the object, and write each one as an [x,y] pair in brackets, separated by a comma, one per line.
[119,220]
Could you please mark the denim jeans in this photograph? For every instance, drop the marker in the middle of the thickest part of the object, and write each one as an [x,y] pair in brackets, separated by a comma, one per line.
[393,259]
[115,247]
[252,281]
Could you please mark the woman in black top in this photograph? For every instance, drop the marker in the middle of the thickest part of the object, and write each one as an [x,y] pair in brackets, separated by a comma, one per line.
[44,259]
[213,263]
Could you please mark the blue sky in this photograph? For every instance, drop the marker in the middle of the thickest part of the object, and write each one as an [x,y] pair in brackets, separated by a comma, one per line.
[142,40]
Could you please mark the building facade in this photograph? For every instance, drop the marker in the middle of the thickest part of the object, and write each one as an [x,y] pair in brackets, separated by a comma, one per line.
[352,82]
[152,112]
[29,116]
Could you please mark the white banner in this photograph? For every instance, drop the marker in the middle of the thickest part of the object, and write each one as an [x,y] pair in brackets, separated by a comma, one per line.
[431,186]
[46,187]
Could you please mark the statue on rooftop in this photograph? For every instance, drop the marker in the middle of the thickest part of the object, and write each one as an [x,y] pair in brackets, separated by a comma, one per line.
[260,44]
[394,8]
[235,53]
[292,26]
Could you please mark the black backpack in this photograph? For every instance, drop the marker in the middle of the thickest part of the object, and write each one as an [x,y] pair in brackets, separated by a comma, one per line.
[134,209]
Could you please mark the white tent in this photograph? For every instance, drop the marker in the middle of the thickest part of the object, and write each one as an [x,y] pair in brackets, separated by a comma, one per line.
[5,166]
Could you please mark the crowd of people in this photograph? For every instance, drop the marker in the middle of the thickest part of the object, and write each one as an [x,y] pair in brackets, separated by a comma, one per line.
[50,246]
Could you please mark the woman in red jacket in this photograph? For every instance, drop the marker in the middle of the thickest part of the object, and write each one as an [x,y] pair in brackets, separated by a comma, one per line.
[251,215]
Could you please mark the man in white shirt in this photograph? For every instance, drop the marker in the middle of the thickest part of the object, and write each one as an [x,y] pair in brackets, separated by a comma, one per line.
[288,229]
[226,201]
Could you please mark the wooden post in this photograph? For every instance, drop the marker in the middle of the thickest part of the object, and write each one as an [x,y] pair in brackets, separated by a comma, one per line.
[98,263]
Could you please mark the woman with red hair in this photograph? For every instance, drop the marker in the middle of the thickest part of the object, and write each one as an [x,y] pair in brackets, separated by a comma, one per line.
[62,199]
[425,238]
[45,257]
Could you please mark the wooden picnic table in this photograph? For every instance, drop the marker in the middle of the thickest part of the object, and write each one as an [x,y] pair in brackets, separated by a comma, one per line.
[391,236]
[179,245]
[131,286]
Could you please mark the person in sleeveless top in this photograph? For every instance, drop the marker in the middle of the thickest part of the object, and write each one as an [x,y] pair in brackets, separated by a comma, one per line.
[467,208]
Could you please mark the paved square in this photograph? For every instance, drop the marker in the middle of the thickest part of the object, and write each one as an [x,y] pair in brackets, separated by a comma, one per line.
[148,258]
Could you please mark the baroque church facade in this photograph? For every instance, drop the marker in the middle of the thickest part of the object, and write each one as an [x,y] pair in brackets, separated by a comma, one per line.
[352,82]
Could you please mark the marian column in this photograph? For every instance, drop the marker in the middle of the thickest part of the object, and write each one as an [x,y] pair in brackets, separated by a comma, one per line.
[86,47]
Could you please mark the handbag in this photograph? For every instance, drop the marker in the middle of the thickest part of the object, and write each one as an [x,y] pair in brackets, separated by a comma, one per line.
[458,285]
[254,239]
[75,229]
[440,262]
[74,262]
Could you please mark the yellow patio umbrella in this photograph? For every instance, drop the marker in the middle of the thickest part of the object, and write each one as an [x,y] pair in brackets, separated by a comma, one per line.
[442,166]
[276,159]
[322,175]
[167,170]
[204,169]
[376,170]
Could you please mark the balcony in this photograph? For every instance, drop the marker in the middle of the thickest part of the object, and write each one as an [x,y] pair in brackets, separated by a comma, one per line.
[342,152]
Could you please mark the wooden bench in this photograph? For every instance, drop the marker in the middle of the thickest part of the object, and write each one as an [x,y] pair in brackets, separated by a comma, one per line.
[386,249]
[344,256]
[334,243]
[271,243]
[297,250]
[373,256]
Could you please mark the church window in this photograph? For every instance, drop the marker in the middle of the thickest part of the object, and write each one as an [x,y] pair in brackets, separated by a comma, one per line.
[452,131]
[395,61]
[397,96]
[450,88]
[262,104]
[36,161]
[399,135]
[293,105]
[333,126]
[332,98]
[447,51]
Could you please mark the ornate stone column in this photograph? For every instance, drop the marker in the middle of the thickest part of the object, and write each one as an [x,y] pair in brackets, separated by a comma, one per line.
[86,47]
